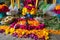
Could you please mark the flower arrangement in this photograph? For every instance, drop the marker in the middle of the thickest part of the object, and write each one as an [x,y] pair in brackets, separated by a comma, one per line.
[32,24]
[29,27]
[3,8]
[25,33]
[57,9]
[29,6]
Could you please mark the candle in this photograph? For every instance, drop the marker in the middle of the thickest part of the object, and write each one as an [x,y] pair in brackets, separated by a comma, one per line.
[45,1]
[18,3]
[54,1]
[36,3]
[12,3]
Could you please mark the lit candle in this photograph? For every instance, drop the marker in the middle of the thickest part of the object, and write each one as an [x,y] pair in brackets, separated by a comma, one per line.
[18,1]
[12,3]
[54,1]
[36,3]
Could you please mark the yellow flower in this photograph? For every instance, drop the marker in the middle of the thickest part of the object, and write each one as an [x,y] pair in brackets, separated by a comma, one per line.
[36,23]
[57,7]
[12,31]
[4,27]
[46,38]
[7,31]
[24,11]
[29,4]
[23,22]
[23,33]
[30,22]
[33,11]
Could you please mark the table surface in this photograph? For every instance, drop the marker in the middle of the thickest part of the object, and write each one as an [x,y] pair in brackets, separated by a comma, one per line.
[8,37]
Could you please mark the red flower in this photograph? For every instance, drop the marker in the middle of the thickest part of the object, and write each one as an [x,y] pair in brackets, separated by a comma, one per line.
[56,11]
[4,8]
